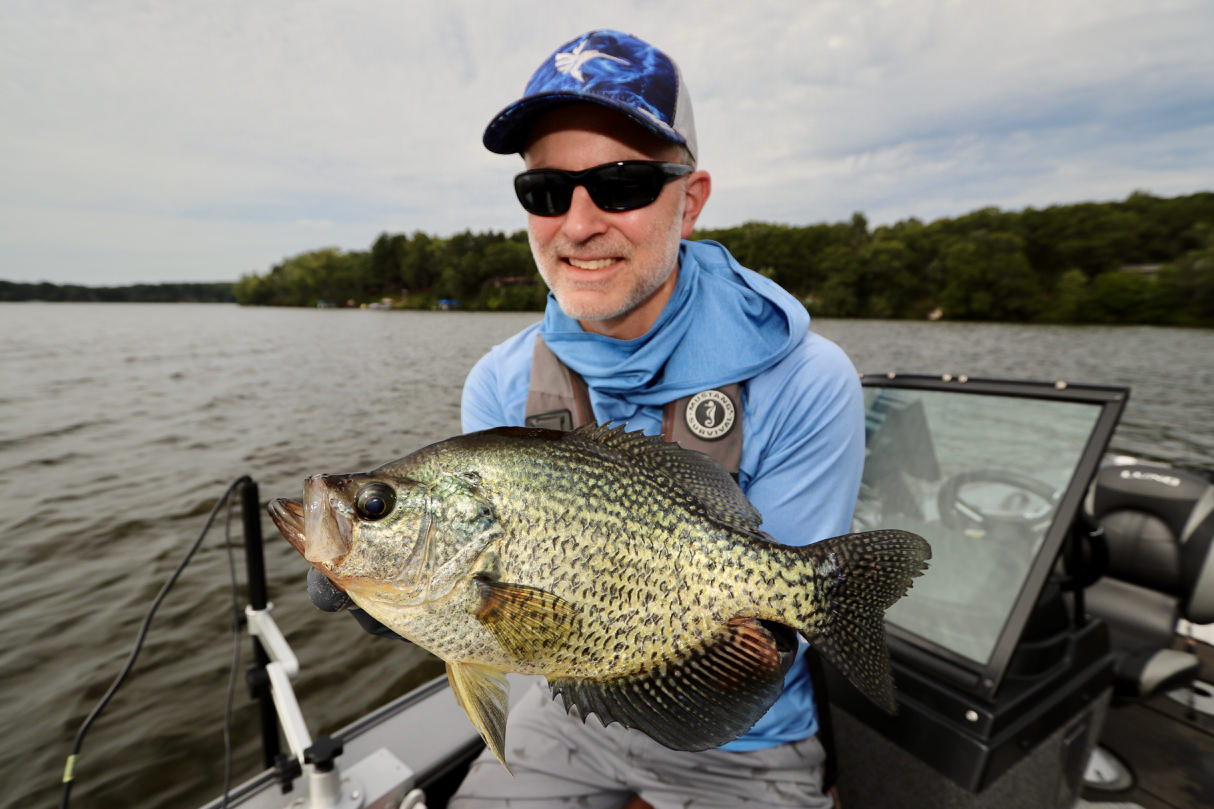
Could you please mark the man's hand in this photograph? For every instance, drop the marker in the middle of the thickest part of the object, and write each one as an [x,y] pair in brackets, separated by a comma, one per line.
[329,597]
[325,594]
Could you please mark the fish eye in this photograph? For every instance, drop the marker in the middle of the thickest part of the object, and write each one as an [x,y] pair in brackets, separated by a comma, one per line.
[375,501]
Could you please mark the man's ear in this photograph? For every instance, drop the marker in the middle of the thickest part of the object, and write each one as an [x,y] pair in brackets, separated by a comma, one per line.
[699,186]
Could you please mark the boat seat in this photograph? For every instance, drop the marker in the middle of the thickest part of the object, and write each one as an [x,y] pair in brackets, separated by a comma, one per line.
[1159,527]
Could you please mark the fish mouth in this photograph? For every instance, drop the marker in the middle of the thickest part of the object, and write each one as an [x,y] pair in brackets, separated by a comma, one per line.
[288,516]
[314,528]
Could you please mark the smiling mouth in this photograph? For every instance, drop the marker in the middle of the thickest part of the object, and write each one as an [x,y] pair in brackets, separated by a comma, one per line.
[591,264]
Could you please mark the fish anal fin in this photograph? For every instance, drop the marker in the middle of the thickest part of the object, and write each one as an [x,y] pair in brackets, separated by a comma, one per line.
[857,649]
[484,694]
[703,698]
[528,622]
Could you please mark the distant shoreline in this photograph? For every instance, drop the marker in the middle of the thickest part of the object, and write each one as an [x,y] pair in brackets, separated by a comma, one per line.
[179,292]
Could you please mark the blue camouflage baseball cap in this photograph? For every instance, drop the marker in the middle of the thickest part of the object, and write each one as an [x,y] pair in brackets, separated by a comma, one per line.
[614,70]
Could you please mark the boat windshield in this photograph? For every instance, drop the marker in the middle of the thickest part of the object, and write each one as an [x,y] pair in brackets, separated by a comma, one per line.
[982,477]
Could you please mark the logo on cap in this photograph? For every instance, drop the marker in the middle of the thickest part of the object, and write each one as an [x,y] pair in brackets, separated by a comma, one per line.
[710,415]
[570,62]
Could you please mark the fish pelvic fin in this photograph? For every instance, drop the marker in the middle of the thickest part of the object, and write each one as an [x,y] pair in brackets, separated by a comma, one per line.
[859,576]
[484,695]
[706,696]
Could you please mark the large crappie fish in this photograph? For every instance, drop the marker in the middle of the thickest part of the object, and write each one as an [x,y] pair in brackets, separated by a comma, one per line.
[628,571]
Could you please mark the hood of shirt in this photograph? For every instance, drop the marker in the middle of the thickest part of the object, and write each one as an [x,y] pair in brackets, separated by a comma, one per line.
[722,324]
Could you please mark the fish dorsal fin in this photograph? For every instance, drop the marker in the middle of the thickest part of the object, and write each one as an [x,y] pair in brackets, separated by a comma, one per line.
[484,695]
[694,472]
[698,699]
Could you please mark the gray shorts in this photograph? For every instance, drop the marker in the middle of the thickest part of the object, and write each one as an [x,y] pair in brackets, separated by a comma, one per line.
[559,761]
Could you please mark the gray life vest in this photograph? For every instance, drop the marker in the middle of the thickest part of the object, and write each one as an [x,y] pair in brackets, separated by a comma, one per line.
[709,422]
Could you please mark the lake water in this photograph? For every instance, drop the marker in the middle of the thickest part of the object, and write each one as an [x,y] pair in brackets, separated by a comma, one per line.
[120,426]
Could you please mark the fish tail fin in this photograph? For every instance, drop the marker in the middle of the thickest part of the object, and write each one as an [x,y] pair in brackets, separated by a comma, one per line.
[856,578]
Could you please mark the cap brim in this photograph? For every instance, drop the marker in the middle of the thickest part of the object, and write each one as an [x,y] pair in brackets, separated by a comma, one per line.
[507,132]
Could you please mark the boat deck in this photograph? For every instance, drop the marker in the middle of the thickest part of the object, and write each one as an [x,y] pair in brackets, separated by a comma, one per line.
[1169,746]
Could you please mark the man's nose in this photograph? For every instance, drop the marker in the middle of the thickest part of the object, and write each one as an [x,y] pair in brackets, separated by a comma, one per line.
[584,219]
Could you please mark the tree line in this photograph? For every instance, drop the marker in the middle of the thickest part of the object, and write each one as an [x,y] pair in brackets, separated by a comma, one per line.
[1146,259]
[133,293]
[481,271]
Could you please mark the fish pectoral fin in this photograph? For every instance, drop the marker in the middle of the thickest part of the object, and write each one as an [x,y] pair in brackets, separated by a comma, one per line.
[484,695]
[700,699]
[528,622]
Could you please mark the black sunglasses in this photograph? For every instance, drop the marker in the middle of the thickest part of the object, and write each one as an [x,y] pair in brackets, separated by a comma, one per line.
[623,186]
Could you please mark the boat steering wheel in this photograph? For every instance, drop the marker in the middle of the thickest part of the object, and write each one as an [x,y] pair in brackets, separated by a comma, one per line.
[960,514]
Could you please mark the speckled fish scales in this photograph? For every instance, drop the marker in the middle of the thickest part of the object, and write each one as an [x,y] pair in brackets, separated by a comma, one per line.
[628,571]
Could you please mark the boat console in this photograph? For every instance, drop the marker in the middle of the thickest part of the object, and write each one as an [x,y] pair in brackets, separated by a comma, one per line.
[1003,681]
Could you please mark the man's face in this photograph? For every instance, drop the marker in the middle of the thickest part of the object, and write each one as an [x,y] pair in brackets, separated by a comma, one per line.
[612,271]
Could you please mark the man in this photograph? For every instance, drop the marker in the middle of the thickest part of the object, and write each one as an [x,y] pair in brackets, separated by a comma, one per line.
[641,328]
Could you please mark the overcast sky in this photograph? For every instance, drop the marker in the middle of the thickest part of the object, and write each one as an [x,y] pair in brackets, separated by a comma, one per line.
[145,141]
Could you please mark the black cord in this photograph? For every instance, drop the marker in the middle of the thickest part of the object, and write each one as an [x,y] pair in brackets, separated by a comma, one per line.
[232,673]
[70,766]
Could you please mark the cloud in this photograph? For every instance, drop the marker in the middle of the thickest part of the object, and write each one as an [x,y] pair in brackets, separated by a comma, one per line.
[176,141]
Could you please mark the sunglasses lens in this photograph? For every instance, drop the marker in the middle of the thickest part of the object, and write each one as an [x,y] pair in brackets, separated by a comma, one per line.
[623,186]
[544,193]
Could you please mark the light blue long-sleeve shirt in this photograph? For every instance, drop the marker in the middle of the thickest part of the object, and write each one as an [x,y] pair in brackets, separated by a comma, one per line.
[802,409]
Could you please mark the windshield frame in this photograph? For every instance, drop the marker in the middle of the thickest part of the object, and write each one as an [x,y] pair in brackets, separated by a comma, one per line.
[934,659]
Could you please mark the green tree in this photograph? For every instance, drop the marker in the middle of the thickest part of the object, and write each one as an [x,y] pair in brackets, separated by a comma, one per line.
[988,277]
[1122,297]
[875,279]
[1068,302]
[384,271]
[1187,288]
[845,292]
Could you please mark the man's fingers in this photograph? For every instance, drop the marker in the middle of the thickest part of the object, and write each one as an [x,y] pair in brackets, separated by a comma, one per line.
[325,594]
